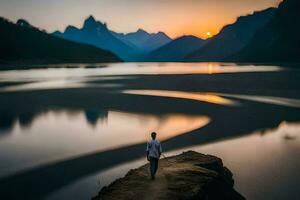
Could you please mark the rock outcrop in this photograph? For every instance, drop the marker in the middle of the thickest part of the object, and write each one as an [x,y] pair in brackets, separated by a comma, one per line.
[190,175]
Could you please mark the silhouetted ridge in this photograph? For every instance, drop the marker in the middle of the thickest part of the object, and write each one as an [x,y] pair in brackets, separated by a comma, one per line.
[23,44]
[71,28]
[232,38]
[176,50]
[24,23]
[57,33]
[92,25]
[278,40]
[90,19]
[141,31]
[143,41]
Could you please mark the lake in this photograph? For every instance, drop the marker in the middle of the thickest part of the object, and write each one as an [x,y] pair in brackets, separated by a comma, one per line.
[67,130]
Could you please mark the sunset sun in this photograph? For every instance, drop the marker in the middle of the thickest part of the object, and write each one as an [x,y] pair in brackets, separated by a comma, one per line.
[208,34]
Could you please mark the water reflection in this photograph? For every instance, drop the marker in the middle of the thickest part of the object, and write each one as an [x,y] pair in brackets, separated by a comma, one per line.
[56,134]
[93,116]
[266,99]
[218,98]
[77,76]
[80,132]
[198,96]
[55,84]
[7,120]
[252,158]
[61,72]
[78,70]
[265,166]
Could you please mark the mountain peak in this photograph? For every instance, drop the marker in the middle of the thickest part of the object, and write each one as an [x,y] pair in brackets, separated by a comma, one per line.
[91,24]
[91,19]
[24,23]
[162,34]
[141,31]
[70,29]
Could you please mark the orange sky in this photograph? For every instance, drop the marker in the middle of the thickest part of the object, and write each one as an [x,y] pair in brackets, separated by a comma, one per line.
[175,17]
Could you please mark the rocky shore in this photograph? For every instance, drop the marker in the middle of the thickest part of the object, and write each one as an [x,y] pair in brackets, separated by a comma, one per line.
[190,175]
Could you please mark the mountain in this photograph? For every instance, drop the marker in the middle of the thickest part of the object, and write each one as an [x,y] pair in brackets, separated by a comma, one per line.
[176,50]
[135,38]
[278,40]
[130,41]
[23,43]
[24,23]
[155,41]
[96,33]
[232,38]
[143,40]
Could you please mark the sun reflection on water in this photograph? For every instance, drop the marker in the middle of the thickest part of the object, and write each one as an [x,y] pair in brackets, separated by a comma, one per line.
[198,96]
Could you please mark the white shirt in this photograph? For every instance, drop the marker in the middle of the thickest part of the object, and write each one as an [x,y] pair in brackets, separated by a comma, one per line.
[154,148]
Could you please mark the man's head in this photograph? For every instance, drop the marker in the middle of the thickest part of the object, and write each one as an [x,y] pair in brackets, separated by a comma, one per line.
[153,135]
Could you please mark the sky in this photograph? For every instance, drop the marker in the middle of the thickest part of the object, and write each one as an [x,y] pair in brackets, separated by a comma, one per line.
[174,17]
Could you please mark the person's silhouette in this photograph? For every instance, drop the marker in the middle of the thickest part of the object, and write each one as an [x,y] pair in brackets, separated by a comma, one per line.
[154,151]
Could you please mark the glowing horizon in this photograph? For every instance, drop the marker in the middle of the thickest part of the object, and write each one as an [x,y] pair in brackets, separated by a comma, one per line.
[201,18]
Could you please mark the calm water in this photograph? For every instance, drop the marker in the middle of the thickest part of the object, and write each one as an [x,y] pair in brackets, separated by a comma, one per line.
[56,135]
[92,122]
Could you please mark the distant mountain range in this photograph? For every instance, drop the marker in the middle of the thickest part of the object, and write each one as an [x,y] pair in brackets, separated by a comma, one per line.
[232,38]
[96,33]
[127,46]
[278,40]
[144,41]
[22,43]
[270,35]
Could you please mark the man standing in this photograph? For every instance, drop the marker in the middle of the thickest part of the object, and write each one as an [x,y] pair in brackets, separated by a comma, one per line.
[154,151]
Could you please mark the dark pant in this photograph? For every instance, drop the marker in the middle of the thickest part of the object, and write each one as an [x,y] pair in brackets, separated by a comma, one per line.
[153,166]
